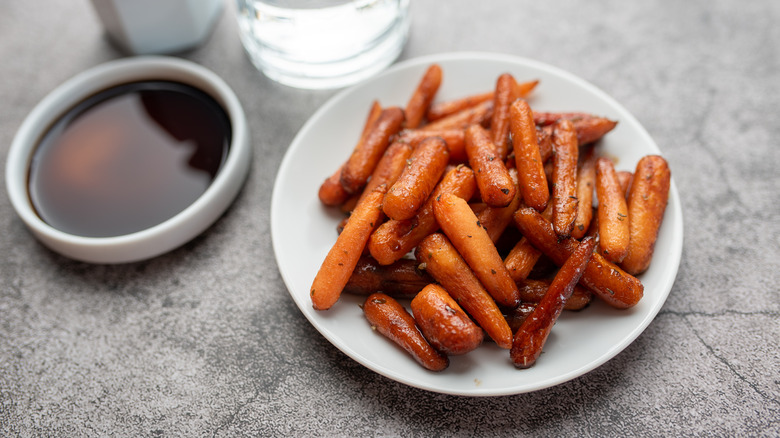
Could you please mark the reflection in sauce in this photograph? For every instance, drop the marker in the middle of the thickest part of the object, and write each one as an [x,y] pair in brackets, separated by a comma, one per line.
[128,158]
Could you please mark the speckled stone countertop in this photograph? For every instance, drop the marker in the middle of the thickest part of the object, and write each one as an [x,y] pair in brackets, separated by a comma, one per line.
[206,341]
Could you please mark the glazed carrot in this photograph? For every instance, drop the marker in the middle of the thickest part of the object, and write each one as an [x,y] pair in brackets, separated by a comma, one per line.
[443,323]
[342,258]
[331,191]
[532,334]
[586,185]
[523,89]
[545,118]
[473,243]
[394,239]
[646,206]
[423,96]
[532,291]
[530,168]
[544,139]
[364,158]
[455,139]
[445,265]
[373,115]
[564,177]
[612,212]
[624,179]
[418,179]
[521,259]
[389,167]
[438,110]
[495,185]
[400,279]
[478,114]
[590,130]
[613,285]
[515,317]
[523,256]
[390,319]
[504,95]
[496,219]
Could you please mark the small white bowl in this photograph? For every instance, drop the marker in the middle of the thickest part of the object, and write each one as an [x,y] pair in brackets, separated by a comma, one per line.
[160,238]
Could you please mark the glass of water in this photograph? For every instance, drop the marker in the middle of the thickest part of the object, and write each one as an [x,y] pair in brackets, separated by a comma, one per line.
[321,44]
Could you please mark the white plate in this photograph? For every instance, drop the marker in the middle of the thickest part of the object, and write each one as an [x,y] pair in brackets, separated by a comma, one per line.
[303,230]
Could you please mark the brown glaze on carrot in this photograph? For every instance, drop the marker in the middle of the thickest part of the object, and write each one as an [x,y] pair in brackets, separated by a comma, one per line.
[531,336]
[564,178]
[466,233]
[477,114]
[400,279]
[418,179]
[388,317]
[365,157]
[505,94]
[647,201]
[496,187]
[443,323]
[394,239]
[532,291]
[443,262]
[613,285]
[423,96]
[530,167]
[586,186]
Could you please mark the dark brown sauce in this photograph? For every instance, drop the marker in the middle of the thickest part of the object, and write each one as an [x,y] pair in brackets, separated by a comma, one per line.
[128,158]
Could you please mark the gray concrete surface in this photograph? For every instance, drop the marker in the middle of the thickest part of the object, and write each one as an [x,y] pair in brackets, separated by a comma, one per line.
[205,340]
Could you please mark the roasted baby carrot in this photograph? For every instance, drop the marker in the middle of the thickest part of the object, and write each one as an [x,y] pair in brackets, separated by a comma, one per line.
[496,219]
[545,118]
[590,130]
[646,206]
[455,139]
[422,96]
[586,185]
[613,285]
[504,95]
[364,158]
[612,212]
[564,178]
[331,191]
[342,258]
[495,185]
[532,291]
[530,167]
[521,259]
[438,110]
[531,336]
[478,114]
[400,279]
[462,227]
[394,239]
[624,179]
[390,319]
[389,167]
[443,323]
[418,179]
[443,262]
[523,89]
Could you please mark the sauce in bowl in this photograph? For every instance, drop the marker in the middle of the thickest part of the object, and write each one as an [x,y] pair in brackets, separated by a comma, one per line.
[128,158]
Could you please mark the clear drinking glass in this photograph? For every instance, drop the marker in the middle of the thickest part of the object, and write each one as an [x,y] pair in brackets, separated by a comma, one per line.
[320,44]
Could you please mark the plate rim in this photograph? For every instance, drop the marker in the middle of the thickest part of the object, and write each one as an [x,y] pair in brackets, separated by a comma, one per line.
[674,201]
